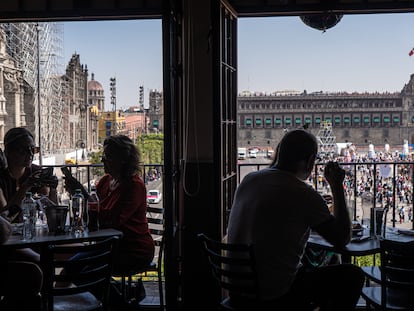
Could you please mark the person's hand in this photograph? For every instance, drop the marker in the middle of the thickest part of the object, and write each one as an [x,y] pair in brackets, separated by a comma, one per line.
[50,181]
[334,174]
[71,183]
[32,181]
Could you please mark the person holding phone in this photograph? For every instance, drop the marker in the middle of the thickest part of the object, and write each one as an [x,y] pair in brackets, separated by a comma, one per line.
[20,175]
[122,202]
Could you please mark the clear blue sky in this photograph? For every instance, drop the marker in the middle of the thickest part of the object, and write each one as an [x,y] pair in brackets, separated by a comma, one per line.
[361,53]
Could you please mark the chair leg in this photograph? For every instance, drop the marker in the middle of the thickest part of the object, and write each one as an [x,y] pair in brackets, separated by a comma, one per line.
[161,291]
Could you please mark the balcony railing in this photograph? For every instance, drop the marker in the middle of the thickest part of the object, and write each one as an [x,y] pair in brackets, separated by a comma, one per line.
[367,185]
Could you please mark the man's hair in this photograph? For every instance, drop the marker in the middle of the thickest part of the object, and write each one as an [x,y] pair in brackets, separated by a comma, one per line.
[296,146]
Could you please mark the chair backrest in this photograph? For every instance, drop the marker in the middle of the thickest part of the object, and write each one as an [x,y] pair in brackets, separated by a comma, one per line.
[155,217]
[233,266]
[79,268]
[397,267]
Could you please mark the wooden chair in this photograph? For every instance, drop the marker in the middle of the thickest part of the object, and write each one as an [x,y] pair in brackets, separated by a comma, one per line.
[155,217]
[391,286]
[233,266]
[85,285]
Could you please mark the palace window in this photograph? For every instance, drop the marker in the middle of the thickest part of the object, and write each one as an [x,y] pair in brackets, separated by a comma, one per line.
[317,120]
[278,121]
[308,121]
[258,121]
[337,120]
[298,120]
[386,119]
[268,121]
[248,121]
[396,119]
[288,121]
[366,120]
[347,120]
[376,120]
[356,120]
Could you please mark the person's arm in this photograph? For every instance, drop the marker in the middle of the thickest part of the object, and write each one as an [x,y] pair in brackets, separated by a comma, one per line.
[337,230]
[17,198]
[5,230]
[71,183]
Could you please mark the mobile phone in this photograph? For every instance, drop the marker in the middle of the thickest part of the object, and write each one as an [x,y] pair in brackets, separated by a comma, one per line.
[46,172]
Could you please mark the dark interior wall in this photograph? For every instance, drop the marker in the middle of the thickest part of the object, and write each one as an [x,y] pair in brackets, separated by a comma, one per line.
[200,212]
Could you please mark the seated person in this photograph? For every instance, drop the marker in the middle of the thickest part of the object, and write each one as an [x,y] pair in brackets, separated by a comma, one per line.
[123,202]
[20,281]
[274,209]
[18,176]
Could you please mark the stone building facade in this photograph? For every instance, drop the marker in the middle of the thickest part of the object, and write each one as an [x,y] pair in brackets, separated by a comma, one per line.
[156,112]
[16,96]
[76,111]
[359,118]
[96,106]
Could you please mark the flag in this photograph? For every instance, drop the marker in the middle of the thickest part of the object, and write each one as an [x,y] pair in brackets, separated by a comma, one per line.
[411,52]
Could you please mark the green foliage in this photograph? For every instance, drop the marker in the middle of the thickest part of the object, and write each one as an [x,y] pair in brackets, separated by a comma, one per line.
[369,260]
[95,158]
[151,147]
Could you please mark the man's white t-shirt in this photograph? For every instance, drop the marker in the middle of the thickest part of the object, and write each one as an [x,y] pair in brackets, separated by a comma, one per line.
[274,210]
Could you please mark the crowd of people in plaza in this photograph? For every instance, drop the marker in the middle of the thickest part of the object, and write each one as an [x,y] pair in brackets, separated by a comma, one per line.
[393,180]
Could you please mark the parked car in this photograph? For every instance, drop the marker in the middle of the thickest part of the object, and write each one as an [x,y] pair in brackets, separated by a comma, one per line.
[153,196]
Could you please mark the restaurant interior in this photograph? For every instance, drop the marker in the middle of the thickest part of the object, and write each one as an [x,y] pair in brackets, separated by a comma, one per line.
[200,92]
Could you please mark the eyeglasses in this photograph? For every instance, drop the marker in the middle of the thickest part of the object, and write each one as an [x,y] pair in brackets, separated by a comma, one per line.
[28,150]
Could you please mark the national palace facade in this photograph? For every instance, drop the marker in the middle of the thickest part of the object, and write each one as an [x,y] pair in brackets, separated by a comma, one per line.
[359,118]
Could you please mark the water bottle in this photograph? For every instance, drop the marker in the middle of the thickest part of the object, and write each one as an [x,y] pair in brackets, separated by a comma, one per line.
[29,216]
[78,214]
[93,210]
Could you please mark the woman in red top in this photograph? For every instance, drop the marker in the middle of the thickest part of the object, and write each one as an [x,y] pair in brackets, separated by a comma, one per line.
[122,198]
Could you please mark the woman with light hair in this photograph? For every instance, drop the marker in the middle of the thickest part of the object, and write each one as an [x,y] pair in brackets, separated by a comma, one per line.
[123,202]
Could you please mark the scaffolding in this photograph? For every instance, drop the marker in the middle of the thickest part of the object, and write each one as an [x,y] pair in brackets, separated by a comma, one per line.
[37,49]
[326,139]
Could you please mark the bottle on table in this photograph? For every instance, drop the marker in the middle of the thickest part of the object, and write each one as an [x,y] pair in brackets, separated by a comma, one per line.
[93,210]
[78,214]
[29,216]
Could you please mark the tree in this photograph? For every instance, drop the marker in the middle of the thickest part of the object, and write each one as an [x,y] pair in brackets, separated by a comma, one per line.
[151,147]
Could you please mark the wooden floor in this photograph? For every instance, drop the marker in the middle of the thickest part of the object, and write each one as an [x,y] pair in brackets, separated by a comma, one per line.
[150,302]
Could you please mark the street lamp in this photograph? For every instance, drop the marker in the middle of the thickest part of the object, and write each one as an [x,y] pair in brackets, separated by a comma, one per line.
[39,106]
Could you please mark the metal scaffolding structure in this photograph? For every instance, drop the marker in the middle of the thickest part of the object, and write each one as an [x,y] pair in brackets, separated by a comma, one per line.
[38,50]
[326,138]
